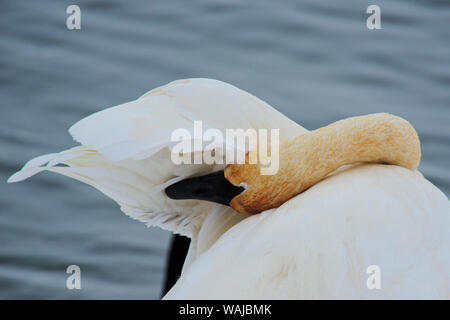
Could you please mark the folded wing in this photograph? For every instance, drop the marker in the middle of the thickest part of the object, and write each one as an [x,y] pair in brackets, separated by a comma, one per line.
[125,150]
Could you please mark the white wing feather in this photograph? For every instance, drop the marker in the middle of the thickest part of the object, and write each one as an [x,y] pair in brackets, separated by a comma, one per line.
[125,151]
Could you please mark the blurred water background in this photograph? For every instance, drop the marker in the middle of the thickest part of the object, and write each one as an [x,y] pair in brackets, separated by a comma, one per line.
[315,61]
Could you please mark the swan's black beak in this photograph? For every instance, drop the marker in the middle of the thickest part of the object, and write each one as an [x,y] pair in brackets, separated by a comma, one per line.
[211,187]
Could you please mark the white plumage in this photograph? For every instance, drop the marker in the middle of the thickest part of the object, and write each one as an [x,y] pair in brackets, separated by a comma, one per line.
[125,149]
[317,245]
[320,243]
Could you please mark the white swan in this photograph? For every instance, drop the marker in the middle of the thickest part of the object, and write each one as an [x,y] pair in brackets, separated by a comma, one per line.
[318,244]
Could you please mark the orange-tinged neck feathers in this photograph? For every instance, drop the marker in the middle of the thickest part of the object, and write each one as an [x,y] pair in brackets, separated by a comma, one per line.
[310,157]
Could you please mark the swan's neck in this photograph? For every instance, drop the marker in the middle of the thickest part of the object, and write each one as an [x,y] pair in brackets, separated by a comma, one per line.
[308,158]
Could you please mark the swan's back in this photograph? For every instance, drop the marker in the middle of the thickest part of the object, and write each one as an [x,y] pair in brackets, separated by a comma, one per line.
[320,243]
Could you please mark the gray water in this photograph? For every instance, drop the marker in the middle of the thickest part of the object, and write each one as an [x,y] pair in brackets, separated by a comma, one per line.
[313,60]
